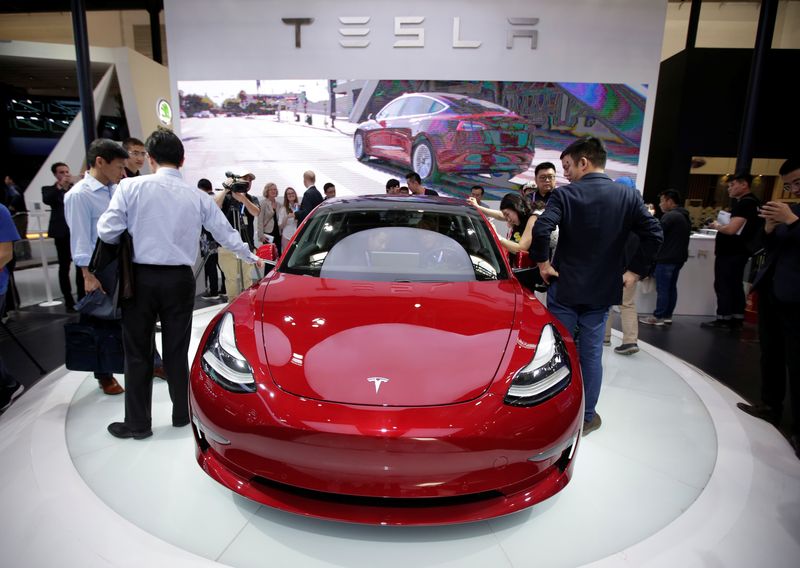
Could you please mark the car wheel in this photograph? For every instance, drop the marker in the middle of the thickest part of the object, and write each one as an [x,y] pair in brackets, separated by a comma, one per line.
[358,147]
[423,160]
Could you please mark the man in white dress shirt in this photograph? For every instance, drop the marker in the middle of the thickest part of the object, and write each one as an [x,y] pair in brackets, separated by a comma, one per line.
[164,216]
[83,205]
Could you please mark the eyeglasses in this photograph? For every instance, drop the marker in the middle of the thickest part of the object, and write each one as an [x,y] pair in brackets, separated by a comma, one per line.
[794,184]
[550,177]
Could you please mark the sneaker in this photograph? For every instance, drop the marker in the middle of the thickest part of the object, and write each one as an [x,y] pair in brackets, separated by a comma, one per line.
[627,349]
[653,320]
[668,321]
[736,323]
[590,426]
[717,324]
[606,343]
[9,395]
[210,296]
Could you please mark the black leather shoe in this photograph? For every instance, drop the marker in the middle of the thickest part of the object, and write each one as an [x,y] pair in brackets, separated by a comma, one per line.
[717,324]
[121,430]
[761,411]
[180,423]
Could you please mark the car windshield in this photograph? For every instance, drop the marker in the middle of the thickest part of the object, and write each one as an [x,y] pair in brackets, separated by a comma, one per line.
[396,245]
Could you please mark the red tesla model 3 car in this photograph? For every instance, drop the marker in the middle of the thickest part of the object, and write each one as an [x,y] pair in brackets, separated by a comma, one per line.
[390,369]
[434,133]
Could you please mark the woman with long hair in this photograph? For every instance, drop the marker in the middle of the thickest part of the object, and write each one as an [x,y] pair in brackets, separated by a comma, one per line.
[516,212]
[267,224]
[286,221]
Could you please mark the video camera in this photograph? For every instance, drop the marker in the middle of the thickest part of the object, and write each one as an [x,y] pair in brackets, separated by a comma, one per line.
[238,184]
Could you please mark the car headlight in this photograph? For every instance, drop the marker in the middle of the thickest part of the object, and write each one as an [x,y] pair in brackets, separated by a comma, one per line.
[546,375]
[223,362]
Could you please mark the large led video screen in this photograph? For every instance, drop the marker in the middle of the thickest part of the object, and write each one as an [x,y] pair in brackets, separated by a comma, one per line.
[359,133]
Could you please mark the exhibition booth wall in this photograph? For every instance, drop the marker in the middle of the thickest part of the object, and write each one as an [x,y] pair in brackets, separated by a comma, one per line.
[138,81]
[570,68]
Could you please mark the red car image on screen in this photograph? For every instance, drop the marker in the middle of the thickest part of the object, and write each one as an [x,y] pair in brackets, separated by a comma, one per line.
[390,369]
[433,133]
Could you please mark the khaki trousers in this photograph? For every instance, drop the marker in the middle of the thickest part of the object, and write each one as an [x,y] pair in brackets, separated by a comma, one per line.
[229,264]
[628,317]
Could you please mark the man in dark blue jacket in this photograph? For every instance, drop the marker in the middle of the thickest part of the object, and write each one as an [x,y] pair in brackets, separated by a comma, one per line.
[594,216]
[311,198]
[778,286]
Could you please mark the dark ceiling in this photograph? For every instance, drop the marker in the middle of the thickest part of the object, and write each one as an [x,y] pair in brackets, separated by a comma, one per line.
[30,6]
[45,77]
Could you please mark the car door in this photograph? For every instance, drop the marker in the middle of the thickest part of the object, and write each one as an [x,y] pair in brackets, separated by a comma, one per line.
[380,140]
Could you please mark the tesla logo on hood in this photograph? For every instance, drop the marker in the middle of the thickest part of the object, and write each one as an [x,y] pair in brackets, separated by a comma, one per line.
[378,381]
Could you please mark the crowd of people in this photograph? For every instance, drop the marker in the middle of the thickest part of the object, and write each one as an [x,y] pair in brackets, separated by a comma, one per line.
[548,227]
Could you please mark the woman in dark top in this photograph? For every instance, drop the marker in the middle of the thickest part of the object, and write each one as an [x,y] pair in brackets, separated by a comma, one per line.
[517,212]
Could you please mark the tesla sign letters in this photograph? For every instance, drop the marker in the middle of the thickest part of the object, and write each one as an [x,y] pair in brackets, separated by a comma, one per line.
[355,31]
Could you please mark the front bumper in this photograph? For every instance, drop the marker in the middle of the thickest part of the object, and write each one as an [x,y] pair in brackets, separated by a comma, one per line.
[383,465]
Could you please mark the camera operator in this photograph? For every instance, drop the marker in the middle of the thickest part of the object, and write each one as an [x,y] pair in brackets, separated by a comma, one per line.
[241,209]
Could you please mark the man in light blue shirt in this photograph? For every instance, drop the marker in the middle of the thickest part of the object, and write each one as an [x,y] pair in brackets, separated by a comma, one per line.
[83,205]
[164,216]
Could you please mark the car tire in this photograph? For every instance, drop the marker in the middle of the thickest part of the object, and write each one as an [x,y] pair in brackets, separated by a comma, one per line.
[359,147]
[423,161]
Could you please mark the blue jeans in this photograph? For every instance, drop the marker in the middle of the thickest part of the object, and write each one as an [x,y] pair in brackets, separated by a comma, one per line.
[666,276]
[587,323]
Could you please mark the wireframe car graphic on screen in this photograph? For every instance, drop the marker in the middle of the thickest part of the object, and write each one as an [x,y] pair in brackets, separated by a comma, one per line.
[391,369]
[433,133]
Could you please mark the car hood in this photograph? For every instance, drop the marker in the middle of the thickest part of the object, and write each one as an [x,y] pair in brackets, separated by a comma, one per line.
[385,343]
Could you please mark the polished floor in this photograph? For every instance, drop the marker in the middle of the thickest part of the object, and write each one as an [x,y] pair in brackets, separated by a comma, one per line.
[675,477]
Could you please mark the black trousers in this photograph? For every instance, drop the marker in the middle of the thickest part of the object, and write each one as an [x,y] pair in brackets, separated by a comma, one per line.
[165,293]
[64,262]
[729,286]
[779,334]
[210,269]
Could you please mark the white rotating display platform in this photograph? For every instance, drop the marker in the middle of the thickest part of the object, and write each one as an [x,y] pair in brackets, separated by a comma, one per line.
[676,476]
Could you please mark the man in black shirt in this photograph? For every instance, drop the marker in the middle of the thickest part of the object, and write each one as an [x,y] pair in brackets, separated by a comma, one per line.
[672,255]
[53,195]
[778,288]
[545,182]
[415,185]
[137,154]
[731,252]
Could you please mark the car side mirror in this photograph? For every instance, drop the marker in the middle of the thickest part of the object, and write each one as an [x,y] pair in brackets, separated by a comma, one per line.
[269,254]
[530,278]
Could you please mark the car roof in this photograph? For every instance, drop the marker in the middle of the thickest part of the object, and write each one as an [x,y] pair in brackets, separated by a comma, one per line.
[437,95]
[389,202]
